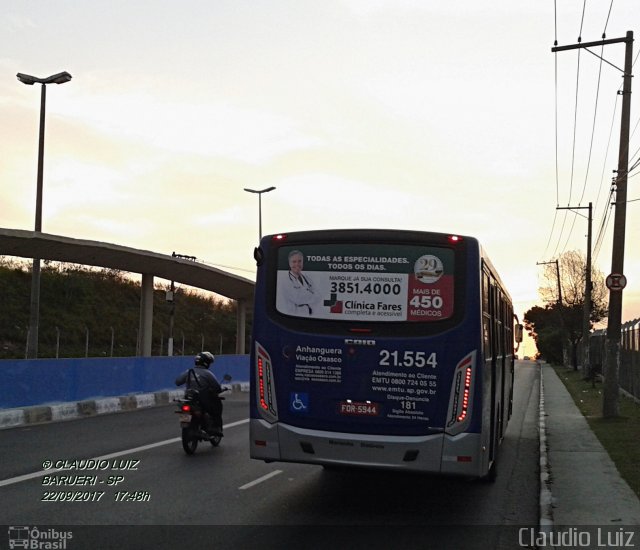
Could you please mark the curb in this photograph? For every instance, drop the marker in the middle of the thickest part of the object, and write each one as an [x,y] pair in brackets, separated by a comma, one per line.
[546,498]
[39,414]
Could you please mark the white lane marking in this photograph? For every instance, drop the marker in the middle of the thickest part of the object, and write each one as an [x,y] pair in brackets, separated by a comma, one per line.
[260,480]
[26,477]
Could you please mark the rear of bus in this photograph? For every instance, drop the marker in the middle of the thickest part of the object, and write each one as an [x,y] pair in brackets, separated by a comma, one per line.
[367,350]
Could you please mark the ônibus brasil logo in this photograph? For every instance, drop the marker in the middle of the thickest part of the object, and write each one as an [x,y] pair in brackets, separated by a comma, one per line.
[38,539]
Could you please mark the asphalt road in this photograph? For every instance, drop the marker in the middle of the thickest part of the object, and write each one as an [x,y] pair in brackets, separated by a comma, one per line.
[141,481]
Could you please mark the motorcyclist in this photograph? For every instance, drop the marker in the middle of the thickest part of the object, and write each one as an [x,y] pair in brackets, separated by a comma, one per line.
[204,381]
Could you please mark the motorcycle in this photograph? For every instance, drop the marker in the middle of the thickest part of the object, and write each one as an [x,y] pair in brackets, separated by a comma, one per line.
[194,421]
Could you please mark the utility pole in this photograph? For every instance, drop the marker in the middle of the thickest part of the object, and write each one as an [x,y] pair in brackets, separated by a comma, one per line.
[559,308]
[586,308]
[171,297]
[557,278]
[610,396]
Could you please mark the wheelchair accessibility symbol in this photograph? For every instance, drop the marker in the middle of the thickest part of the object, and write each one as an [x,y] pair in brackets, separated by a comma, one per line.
[299,403]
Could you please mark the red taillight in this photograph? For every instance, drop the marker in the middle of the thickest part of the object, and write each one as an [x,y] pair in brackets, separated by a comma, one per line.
[465,395]
[261,388]
[186,407]
[266,399]
[461,398]
[454,238]
[279,237]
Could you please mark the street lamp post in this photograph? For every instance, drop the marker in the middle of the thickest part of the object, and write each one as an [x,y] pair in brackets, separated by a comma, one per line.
[34,315]
[259,193]
[171,299]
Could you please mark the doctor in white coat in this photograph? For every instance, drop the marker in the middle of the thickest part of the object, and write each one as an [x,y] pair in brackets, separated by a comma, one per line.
[297,295]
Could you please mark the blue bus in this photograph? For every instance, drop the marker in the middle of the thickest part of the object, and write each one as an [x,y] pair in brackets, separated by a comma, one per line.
[380,348]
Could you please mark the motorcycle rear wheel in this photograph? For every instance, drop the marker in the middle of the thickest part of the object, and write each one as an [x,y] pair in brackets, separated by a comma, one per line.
[215,440]
[189,443]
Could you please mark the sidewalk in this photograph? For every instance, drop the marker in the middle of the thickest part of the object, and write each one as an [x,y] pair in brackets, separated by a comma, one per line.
[584,485]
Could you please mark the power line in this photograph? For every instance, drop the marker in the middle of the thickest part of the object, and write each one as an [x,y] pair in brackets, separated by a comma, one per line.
[555,59]
[228,267]
[603,226]
[563,236]
[575,128]
[606,24]
[604,165]
[564,221]
[593,128]
[553,225]
[573,148]
[573,224]
[584,9]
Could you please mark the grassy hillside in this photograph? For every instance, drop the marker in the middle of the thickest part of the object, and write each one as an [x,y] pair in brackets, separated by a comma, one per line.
[76,299]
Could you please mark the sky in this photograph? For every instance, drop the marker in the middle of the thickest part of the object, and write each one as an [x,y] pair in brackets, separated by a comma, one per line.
[407,114]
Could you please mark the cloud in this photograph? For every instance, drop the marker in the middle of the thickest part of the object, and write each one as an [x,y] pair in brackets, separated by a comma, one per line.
[321,200]
[216,128]
[15,22]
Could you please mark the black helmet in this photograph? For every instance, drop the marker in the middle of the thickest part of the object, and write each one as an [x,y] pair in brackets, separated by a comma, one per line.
[205,359]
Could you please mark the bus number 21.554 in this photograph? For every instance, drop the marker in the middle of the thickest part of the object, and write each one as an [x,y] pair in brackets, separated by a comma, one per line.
[417,359]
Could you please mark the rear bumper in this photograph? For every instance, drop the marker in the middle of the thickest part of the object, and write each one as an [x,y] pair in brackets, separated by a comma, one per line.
[437,453]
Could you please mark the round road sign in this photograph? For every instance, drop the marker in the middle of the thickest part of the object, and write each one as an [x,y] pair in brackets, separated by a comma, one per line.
[616,281]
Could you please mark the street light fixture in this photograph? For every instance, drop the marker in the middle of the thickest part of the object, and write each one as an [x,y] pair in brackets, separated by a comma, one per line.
[259,193]
[34,316]
[59,78]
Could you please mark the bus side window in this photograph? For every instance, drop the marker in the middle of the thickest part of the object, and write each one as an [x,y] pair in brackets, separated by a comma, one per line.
[485,292]
[493,310]
[501,323]
[486,316]
[486,324]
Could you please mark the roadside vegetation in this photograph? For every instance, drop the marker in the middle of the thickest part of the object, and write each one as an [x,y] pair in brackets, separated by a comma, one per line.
[102,307]
[558,325]
[619,436]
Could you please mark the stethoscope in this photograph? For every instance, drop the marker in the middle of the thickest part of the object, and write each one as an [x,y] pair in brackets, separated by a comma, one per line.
[302,280]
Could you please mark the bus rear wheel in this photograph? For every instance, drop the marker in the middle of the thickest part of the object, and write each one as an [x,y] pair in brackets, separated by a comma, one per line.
[492,474]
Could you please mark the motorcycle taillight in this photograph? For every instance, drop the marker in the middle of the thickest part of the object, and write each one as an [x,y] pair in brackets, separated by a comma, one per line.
[186,407]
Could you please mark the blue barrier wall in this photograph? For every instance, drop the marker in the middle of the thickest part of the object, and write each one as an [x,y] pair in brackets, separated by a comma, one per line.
[30,382]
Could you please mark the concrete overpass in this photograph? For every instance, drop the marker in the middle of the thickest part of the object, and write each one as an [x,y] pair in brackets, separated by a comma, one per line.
[32,244]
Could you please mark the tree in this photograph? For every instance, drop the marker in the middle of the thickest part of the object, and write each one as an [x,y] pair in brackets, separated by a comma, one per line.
[106,304]
[544,326]
[563,320]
